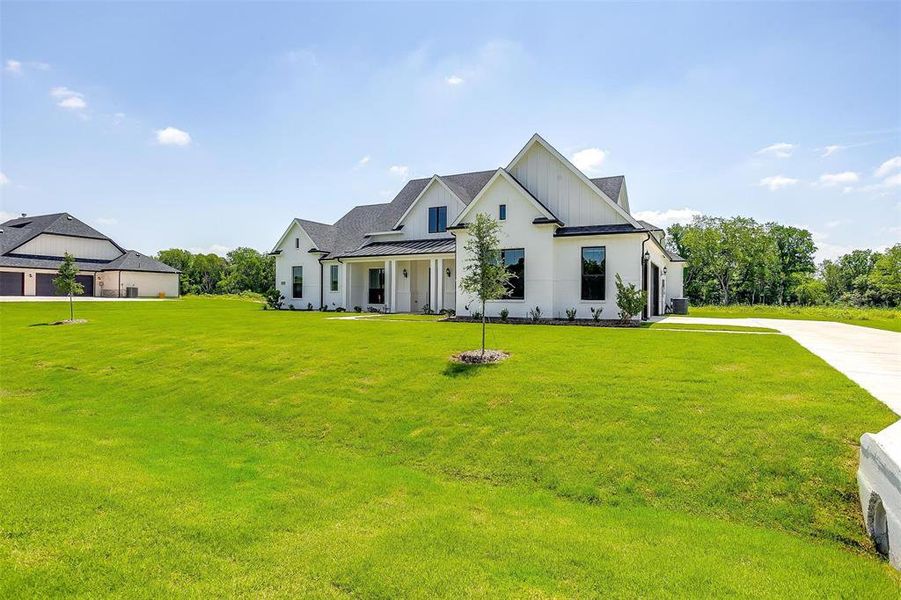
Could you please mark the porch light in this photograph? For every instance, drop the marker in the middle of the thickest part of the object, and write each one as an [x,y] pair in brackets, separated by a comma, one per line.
[405,273]
[447,270]
[647,256]
[664,270]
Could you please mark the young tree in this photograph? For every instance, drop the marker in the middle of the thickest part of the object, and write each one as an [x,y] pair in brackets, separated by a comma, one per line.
[629,299]
[485,277]
[66,283]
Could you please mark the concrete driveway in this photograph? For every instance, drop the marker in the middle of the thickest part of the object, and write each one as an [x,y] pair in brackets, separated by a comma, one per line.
[869,357]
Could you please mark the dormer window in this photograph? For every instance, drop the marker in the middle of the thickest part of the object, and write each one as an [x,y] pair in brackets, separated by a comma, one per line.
[437,219]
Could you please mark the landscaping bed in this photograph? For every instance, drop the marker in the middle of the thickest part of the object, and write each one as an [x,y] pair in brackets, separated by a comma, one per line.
[525,321]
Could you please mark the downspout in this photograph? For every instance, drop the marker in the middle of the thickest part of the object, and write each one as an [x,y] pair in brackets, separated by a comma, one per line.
[644,278]
[321,284]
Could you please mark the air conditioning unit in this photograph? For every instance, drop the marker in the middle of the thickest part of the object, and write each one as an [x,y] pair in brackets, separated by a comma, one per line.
[131,292]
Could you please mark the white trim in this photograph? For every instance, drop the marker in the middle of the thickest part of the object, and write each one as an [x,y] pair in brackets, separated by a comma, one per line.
[422,193]
[516,185]
[294,222]
[537,139]
[391,232]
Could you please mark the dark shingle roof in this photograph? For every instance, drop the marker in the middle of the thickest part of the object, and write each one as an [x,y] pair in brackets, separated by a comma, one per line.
[135,261]
[47,262]
[610,186]
[19,231]
[405,247]
[649,226]
[322,235]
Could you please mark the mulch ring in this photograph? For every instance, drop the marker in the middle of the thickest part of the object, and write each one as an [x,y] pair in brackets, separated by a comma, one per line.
[475,357]
[70,322]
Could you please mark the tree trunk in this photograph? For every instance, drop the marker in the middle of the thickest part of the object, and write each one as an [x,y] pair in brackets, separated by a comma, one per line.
[483,328]
[71,308]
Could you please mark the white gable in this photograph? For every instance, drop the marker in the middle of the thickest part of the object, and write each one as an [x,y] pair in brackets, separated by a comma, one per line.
[565,193]
[49,244]
[416,219]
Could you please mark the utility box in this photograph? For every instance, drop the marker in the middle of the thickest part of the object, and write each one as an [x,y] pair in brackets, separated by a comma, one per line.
[131,292]
[680,306]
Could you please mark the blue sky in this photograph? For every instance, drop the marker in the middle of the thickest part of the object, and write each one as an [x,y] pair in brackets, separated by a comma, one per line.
[210,125]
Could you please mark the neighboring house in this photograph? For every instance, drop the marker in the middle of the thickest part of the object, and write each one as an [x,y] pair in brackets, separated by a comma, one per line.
[564,237]
[32,249]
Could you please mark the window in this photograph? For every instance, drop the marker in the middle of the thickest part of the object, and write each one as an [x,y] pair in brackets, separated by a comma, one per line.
[297,242]
[502,212]
[297,282]
[515,261]
[333,272]
[376,286]
[437,219]
[594,265]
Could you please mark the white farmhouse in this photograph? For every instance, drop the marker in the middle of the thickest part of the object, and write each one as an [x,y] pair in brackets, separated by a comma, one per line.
[564,237]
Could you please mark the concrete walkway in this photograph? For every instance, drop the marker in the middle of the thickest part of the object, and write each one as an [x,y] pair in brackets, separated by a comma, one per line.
[869,357]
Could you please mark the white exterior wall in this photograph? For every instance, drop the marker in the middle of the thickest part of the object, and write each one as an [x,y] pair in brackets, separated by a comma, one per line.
[517,231]
[298,257]
[416,223]
[661,260]
[331,299]
[30,279]
[674,280]
[150,285]
[562,191]
[48,244]
[622,255]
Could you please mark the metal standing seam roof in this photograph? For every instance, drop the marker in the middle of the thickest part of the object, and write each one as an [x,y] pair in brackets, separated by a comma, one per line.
[401,247]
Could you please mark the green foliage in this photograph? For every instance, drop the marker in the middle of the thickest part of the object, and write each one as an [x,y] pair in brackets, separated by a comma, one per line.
[596,312]
[504,314]
[878,318]
[535,314]
[629,299]
[485,277]
[242,269]
[273,469]
[570,314]
[66,283]
[810,291]
[248,269]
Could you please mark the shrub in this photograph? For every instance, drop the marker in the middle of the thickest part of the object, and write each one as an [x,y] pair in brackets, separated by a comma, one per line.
[358,309]
[372,309]
[291,307]
[426,309]
[476,315]
[340,309]
[504,314]
[450,313]
[570,314]
[630,300]
[309,306]
[811,292]
[535,314]
[596,313]
[274,299]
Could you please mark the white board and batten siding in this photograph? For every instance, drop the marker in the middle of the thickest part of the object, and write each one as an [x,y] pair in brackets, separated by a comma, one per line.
[293,256]
[48,244]
[416,222]
[562,191]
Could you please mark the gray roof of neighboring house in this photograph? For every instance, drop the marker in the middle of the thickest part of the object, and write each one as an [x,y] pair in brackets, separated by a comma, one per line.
[610,186]
[429,246]
[16,232]
[135,261]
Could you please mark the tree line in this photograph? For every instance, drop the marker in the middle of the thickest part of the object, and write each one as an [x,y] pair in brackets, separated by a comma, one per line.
[738,260]
[241,270]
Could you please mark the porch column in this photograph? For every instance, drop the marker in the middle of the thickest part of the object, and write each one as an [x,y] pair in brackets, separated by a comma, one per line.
[387,298]
[392,289]
[433,287]
[440,301]
[345,289]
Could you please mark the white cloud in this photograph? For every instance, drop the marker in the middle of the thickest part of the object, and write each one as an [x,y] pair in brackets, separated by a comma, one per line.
[776,182]
[779,150]
[893,181]
[170,136]
[211,249]
[118,118]
[830,150]
[892,164]
[69,99]
[830,179]
[13,66]
[454,80]
[401,171]
[665,218]
[7,216]
[4,180]
[106,221]
[589,160]
[364,160]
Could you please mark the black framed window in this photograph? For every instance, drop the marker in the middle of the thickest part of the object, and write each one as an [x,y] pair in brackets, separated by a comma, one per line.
[514,259]
[297,282]
[437,219]
[502,213]
[376,286]
[333,273]
[594,272]
[297,242]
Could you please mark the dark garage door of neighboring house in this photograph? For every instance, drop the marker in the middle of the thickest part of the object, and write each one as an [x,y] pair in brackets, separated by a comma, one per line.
[12,284]
[44,284]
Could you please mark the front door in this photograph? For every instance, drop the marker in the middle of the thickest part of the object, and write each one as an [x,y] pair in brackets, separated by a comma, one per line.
[655,290]
[376,286]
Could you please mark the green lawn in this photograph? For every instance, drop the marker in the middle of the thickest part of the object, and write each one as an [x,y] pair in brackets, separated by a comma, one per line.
[878,318]
[208,448]
[693,327]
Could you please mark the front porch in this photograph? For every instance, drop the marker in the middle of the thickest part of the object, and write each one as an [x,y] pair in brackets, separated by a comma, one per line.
[401,284]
